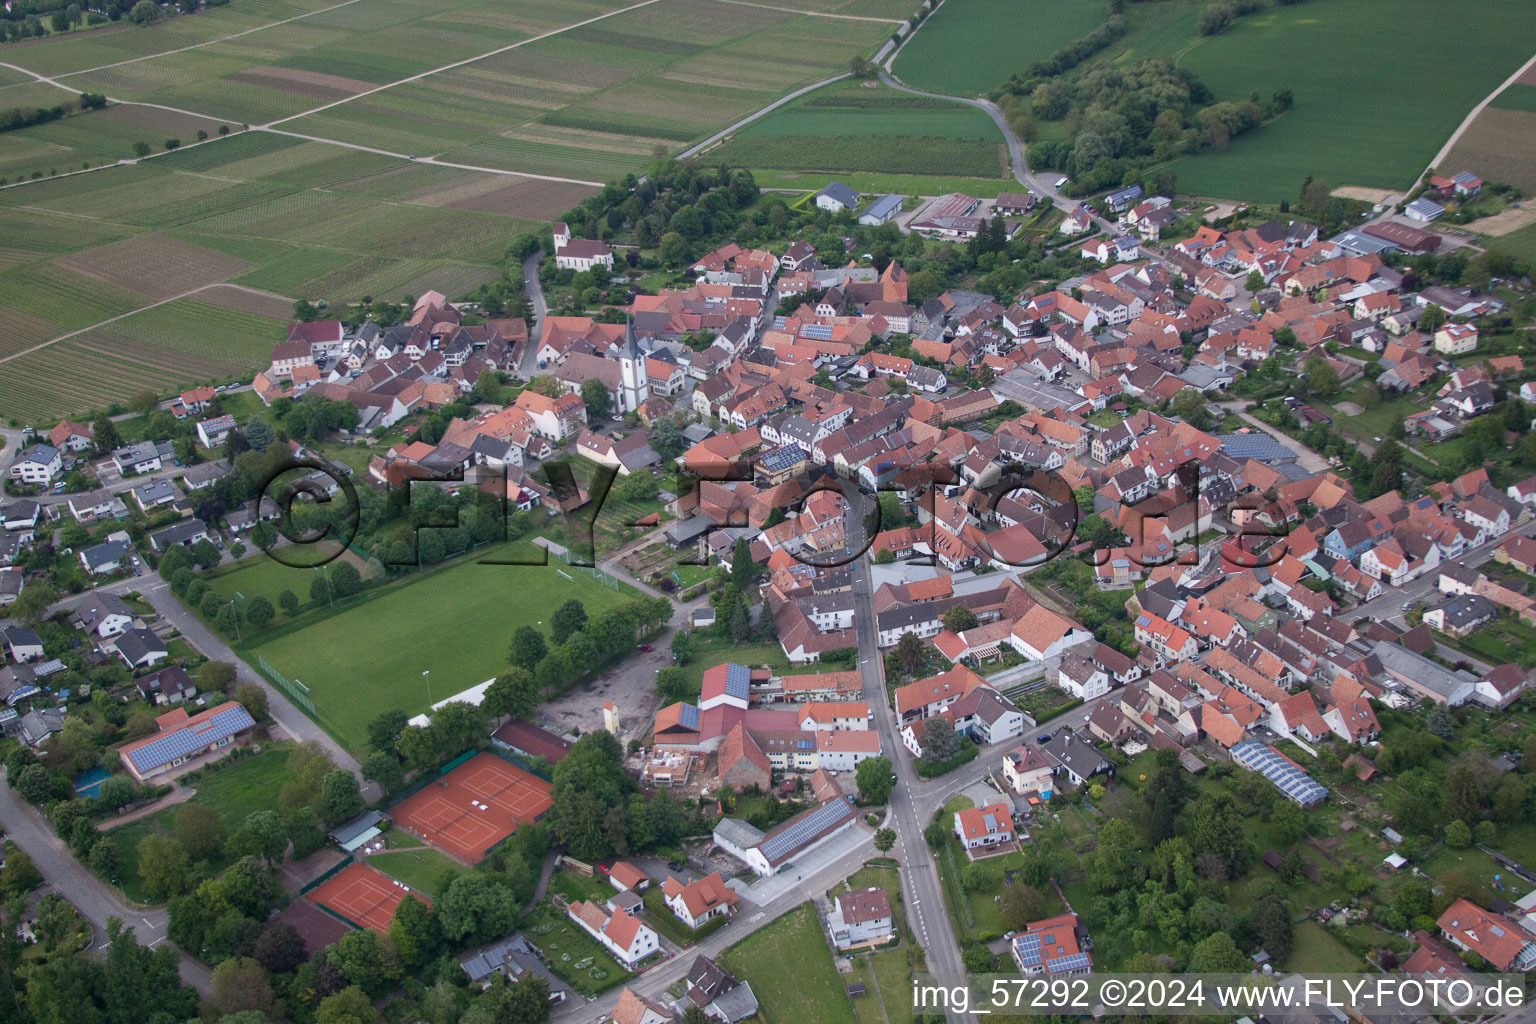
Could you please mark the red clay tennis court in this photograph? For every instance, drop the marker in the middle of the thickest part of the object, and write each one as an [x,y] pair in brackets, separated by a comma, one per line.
[474,807]
[363,896]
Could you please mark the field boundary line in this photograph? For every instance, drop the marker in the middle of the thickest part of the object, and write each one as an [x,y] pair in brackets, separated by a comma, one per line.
[1466,123]
[699,147]
[459,63]
[434,161]
[818,14]
[134,312]
[208,42]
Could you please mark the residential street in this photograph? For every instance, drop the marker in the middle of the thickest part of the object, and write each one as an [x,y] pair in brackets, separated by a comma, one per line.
[535,290]
[95,899]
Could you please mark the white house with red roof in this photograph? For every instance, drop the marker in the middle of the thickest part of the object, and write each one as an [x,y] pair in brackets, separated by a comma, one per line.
[620,933]
[980,828]
[701,900]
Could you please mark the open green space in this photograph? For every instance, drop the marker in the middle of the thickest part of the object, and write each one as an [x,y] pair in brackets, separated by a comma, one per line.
[422,869]
[967,47]
[572,954]
[866,126]
[712,651]
[1316,951]
[1346,126]
[789,966]
[454,622]
[234,789]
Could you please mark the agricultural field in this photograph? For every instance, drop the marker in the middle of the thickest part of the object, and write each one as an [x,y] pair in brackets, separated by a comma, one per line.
[542,102]
[1500,144]
[968,47]
[455,621]
[240,227]
[881,182]
[866,126]
[1347,126]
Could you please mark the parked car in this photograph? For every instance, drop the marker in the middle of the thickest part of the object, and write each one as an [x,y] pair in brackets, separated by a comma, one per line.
[644,647]
[677,865]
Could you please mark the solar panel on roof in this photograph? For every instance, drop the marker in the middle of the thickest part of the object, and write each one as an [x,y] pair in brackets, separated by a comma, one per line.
[738,681]
[1076,961]
[818,332]
[688,716]
[182,742]
[779,846]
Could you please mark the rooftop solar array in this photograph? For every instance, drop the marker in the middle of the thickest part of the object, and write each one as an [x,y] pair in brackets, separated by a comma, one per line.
[806,829]
[817,332]
[182,742]
[781,458]
[738,681]
[1257,445]
[1027,949]
[1286,777]
[688,716]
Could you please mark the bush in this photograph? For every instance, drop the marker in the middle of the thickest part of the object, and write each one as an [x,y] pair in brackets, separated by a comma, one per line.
[932,770]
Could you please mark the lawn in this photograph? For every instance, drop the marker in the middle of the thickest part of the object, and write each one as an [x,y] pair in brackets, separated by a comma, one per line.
[454,621]
[424,870]
[1505,639]
[571,953]
[1351,89]
[711,652]
[968,47]
[660,917]
[1315,951]
[790,968]
[234,790]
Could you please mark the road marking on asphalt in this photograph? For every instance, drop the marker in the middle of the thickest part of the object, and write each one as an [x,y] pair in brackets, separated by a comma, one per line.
[755,917]
[146,922]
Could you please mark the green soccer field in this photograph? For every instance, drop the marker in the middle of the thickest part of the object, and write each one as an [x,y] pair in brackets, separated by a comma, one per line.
[455,622]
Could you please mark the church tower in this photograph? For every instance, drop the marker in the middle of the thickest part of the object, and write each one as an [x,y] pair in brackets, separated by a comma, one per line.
[634,386]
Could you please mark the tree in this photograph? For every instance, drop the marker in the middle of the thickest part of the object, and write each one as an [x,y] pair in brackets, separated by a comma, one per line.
[106,860]
[1217,954]
[1432,319]
[1457,835]
[598,398]
[528,647]
[351,1004]
[216,676]
[104,434]
[1190,406]
[875,783]
[910,652]
[259,611]
[939,740]
[959,618]
[288,601]
[1289,823]
[340,796]
[672,685]
[682,646]
[1441,722]
[1020,904]
[512,693]
[570,617]
[20,876]
[743,569]
[384,730]
[1461,800]
[199,829]
[385,770]
[740,625]
[271,838]
[1322,379]
[934,834]
[259,434]
[254,699]
[145,12]
[1270,919]
[31,606]
[240,984]
[476,909]
[673,249]
[885,838]
[162,866]
[303,826]
[35,784]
